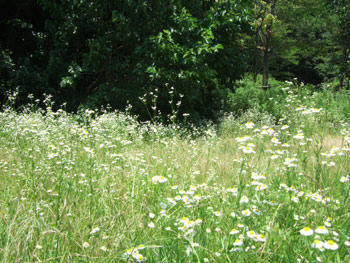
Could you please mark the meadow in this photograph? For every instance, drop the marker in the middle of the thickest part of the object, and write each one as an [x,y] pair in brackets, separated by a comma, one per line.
[100,186]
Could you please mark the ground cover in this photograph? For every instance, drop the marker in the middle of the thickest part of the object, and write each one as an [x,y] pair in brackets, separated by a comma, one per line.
[106,188]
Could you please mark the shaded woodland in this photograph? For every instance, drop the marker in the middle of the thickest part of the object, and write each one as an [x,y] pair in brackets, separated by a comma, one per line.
[97,53]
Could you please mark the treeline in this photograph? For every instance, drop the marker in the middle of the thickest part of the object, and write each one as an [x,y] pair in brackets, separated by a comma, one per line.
[113,52]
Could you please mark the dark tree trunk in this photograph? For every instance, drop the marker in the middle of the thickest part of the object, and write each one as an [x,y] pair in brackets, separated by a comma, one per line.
[256,51]
[255,65]
[267,48]
[344,59]
[265,81]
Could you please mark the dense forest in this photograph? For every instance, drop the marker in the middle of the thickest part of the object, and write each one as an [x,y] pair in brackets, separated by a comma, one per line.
[146,52]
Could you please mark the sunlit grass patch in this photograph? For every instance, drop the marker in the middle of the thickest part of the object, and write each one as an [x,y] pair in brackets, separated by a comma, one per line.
[106,188]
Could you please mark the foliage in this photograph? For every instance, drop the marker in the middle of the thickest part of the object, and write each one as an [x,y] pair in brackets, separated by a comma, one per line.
[112,52]
[305,42]
[92,53]
[273,103]
[342,37]
[264,101]
[301,41]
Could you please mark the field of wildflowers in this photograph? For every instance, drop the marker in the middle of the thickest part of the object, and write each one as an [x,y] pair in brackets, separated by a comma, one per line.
[106,188]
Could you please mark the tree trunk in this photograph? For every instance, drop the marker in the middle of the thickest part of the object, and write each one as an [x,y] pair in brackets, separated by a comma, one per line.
[265,80]
[344,59]
[267,47]
[256,51]
[255,55]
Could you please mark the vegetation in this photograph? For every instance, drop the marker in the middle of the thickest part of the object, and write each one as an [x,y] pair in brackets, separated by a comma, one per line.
[164,131]
[110,52]
[107,188]
[87,54]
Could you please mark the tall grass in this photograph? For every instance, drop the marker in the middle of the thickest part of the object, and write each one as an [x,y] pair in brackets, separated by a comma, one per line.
[269,185]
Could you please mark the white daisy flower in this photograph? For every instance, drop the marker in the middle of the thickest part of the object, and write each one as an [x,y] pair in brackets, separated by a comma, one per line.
[247,149]
[260,238]
[331,245]
[299,136]
[244,199]
[251,234]
[246,212]
[234,231]
[321,230]
[217,213]
[306,231]
[318,244]
[238,243]
[249,125]
[151,215]
[243,139]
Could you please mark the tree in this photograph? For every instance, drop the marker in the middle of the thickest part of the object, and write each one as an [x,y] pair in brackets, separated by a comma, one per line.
[342,36]
[264,17]
[303,41]
[96,52]
[306,29]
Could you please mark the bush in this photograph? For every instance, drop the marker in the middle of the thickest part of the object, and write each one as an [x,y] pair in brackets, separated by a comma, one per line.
[250,95]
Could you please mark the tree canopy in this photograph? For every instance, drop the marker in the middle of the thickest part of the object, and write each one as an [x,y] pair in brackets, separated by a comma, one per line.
[93,53]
